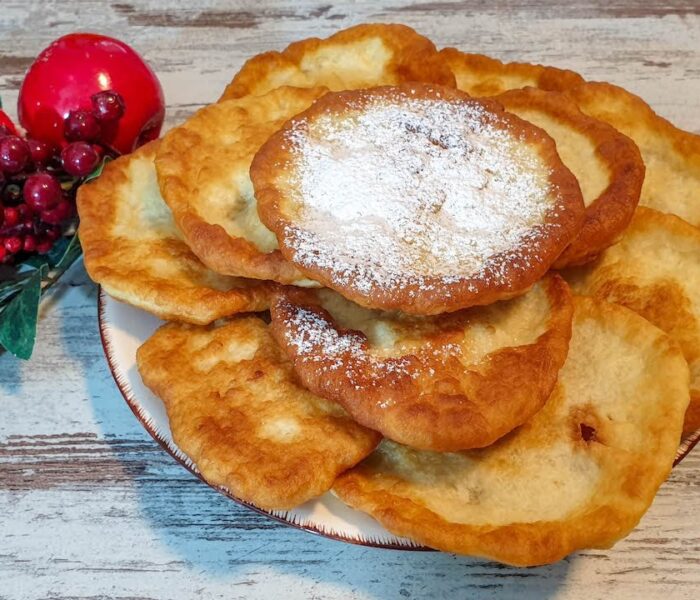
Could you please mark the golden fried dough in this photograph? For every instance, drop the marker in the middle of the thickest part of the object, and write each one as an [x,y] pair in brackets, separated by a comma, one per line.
[671,155]
[449,382]
[416,198]
[134,250]
[362,56]
[203,175]
[236,410]
[655,271]
[579,474]
[606,163]
[480,75]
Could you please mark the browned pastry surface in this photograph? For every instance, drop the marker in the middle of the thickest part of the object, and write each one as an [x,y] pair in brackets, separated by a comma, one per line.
[448,382]
[416,198]
[202,170]
[607,164]
[655,271]
[366,55]
[579,474]
[236,409]
[134,250]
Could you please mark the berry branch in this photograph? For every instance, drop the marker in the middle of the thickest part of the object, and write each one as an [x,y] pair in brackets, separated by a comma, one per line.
[38,220]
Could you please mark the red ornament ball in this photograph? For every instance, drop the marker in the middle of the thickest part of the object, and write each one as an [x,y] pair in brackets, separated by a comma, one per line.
[71,71]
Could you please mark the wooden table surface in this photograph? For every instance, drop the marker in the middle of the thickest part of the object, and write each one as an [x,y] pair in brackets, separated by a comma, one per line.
[91,507]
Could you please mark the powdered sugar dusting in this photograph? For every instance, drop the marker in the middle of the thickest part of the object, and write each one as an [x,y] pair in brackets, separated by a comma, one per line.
[407,191]
[314,339]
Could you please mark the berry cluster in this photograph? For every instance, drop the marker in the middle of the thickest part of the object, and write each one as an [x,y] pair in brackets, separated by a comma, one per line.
[38,181]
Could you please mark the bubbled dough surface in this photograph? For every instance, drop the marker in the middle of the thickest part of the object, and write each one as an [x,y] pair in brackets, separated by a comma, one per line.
[655,271]
[576,151]
[502,325]
[236,410]
[624,378]
[134,249]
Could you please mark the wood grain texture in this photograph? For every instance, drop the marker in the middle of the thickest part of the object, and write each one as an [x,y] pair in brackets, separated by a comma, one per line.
[91,507]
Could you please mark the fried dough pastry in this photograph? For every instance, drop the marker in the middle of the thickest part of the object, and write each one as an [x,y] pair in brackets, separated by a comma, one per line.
[416,198]
[579,474]
[606,163]
[671,155]
[236,410]
[203,175]
[134,250]
[362,56]
[449,382]
[655,271]
[480,75]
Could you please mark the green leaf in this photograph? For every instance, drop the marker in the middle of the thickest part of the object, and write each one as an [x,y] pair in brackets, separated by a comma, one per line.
[10,287]
[19,319]
[35,262]
[71,252]
[98,169]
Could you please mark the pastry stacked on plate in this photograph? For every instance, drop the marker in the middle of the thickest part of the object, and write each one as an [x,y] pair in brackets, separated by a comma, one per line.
[410,218]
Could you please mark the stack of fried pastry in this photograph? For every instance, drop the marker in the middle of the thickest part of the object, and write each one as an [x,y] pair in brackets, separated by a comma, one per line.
[474,335]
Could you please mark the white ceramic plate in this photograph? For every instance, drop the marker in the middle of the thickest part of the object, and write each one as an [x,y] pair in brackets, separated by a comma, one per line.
[124,328]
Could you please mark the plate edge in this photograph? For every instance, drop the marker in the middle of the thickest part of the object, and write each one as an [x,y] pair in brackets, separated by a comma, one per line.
[185,462]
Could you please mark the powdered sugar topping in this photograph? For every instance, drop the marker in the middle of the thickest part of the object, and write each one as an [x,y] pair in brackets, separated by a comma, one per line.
[407,191]
[314,339]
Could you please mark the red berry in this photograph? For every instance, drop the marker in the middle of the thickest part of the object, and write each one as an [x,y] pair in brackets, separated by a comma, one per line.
[14,154]
[107,106]
[75,67]
[13,244]
[42,191]
[52,234]
[44,246]
[41,152]
[3,252]
[26,213]
[79,159]
[29,244]
[11,215]
[57,215]
[81,125]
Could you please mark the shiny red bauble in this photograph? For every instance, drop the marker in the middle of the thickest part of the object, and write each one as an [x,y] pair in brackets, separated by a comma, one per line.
[74,68]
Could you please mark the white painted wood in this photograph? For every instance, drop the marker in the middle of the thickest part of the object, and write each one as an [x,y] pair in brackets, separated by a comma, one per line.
[91,507]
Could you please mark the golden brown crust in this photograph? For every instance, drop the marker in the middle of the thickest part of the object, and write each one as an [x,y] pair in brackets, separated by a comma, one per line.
[609,214]
[612,433]
[672,156]
[480,75]
[506,275]
[434,393]
[133,249]
[655,271]
[202,170]
[236,410]
[348,59]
